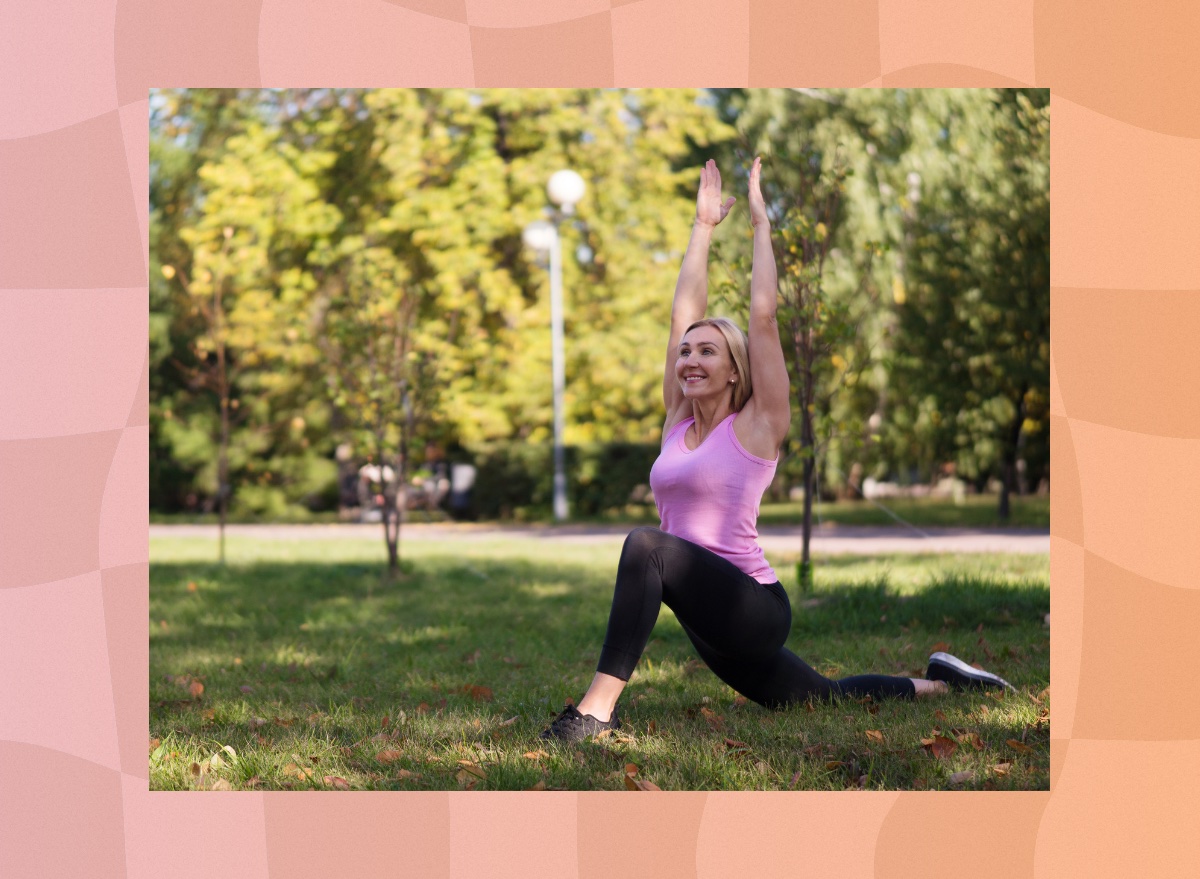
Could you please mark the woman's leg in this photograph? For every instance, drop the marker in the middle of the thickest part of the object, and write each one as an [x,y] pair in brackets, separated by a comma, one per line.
[736,624]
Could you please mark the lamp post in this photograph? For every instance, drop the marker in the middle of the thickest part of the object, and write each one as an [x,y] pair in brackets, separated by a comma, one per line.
[565,189]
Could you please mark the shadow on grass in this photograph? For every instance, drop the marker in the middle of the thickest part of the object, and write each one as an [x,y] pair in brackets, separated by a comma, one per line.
[517,623]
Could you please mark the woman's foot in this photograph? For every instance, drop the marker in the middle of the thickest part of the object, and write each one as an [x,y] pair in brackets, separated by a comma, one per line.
[571,726]
[925,688]
[960,676]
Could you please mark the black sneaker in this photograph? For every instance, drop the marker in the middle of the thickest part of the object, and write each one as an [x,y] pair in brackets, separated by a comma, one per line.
[960,676]
[571,726]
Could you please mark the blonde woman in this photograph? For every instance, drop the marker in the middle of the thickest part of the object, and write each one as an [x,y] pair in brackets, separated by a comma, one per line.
[727,404]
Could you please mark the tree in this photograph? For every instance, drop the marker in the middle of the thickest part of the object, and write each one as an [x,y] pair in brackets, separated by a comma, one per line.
[975,326]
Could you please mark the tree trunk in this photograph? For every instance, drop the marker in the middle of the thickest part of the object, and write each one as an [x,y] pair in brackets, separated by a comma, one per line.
[1008,471]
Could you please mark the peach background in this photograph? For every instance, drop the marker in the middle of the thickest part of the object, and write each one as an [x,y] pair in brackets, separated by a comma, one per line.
[74,76]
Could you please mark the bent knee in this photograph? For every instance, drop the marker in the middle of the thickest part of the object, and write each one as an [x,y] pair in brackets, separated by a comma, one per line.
[643,540]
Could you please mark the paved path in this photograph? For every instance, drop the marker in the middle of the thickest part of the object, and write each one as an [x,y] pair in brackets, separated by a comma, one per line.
[831,539]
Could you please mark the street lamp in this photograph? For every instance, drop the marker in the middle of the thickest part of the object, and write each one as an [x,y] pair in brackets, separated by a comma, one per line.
[565,189]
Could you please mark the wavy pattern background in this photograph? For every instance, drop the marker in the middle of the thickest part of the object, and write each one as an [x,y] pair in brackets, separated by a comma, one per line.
[74,76]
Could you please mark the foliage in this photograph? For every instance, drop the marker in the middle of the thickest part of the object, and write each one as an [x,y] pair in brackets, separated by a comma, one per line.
[363,219]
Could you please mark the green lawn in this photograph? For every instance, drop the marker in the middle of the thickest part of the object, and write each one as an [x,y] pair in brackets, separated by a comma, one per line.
[297,666]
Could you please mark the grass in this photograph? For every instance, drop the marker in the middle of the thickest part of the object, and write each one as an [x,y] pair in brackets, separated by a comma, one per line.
[298,667]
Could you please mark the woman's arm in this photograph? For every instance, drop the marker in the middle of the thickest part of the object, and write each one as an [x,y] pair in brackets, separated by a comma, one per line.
[691,290]
[769,407]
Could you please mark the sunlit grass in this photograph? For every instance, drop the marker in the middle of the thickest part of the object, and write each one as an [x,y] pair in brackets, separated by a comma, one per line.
[313,667]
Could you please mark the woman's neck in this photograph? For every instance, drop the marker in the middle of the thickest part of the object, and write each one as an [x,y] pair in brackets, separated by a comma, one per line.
[708,414]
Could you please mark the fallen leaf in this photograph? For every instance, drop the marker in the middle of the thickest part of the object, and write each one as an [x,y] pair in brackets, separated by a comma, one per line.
[480,694]
[632,783]
[220,784]
[1002,768]
[467,780]
[191,585]
[472,768]
[631,769]
[538,785]
[154,743]
[405,774]
[423,708]
[196,689]
[875,735]
[1020,747]
[735,744]
[510,721]
[388,756]
[962,777]
[760,766]
[652,727]
[337,782]
[940,647]
[603,734]
[739,701]
[535,755]
[941,747]
[834,764]
[972,739]
[795,778]
[196,769]
[716,721]
[940,715]
[254,781]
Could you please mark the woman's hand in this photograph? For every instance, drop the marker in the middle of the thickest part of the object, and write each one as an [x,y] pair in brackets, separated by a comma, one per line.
[758,207]
[710,209]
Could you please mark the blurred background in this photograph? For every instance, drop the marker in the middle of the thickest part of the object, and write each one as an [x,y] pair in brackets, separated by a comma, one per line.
[349,312]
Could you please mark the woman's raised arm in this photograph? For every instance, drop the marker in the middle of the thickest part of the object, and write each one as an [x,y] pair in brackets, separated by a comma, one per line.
[691,290]
[769,407]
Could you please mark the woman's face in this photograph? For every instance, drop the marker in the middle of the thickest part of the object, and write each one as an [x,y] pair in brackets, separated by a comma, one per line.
[704,367]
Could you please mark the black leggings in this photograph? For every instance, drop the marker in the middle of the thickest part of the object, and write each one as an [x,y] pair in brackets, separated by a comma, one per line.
[737,625]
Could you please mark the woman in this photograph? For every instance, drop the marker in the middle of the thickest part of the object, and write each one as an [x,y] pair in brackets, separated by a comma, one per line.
[721,442]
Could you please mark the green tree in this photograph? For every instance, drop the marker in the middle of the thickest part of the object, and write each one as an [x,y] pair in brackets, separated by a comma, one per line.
[974,349]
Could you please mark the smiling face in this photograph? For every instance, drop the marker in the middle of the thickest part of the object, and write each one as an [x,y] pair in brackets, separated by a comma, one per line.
[704,367]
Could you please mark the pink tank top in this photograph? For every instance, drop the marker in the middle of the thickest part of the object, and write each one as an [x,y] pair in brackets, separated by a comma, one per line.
[710,495]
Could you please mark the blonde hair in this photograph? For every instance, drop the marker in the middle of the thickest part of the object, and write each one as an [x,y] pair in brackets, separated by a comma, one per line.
[739,351]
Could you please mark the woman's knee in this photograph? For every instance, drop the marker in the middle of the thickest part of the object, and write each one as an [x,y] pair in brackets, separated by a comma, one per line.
[642,541]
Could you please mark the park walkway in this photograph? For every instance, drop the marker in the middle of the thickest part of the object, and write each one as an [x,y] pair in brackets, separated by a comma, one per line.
[831,539]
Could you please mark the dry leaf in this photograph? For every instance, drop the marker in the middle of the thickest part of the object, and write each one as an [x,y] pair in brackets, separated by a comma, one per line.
[535,755]
[632,783]
[220,784]
[941,747]
[472,768]
[481,694]
[972,739]
[337,782]
[716,721]
[875,735]
[631,769]
[154,743]
[735,744]
[388,756]
[466,779]
[404,774]
[834,764]
[539,785]
[962,777]
[940,715]
[510,721]
[191,585]
[1021,747]
[1002,768]
[196,689]
[940,647]
[652,727]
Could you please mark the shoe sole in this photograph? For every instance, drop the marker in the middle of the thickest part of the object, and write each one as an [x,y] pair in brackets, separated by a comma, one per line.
[959,669]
